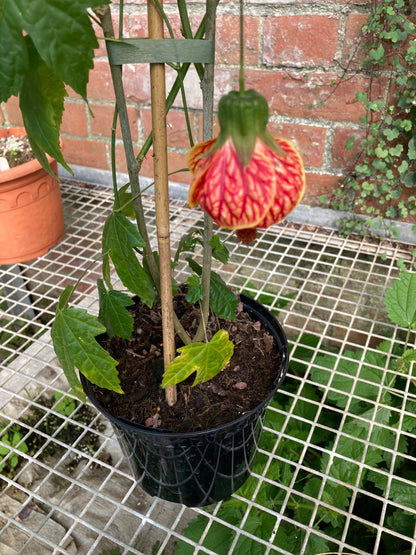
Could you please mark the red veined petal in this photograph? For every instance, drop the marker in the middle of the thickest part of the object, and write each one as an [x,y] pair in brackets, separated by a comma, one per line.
[290,184]
[236,198]
[198,151]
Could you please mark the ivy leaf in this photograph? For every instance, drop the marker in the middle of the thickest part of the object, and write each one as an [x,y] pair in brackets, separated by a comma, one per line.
[63,35]
[113,314]
[400,300]
[73,334]
[120,239]
[42,104]
[206,359]
[14,61]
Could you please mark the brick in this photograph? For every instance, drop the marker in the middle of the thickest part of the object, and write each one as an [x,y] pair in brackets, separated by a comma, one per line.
[227,49]
[176,161]
[136,80]
[177,134]
[121,164]
[82,152]
[13,111]
[300,40]
[74,121]
[309,140]
[342,158]
[291,94]
[100,85]
[318,184]
[351,47]
[101,120]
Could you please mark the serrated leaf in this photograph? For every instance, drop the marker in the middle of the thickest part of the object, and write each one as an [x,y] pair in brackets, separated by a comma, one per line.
[222,300]
[120,238]
[219,250]
[188,242]
[41,102]
[195,291]
[14,60]
[63,35]
[206,359]
[400,300]
[113,314]
[73,334]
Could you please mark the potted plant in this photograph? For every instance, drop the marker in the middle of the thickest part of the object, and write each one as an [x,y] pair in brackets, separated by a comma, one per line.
[161,355]
[31,213]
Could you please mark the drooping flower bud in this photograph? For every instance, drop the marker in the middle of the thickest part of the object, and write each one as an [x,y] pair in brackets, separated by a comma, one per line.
[245,179]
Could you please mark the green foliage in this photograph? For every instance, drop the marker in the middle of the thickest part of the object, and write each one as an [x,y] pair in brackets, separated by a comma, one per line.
[39,56]
[205,359]
[120,241]
[364,383]
[222,300]
[384,167]
[12,437]
[113,314]
[73,334]
[401,300]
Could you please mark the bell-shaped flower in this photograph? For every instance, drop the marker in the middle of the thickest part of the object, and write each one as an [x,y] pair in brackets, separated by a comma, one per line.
[245,179]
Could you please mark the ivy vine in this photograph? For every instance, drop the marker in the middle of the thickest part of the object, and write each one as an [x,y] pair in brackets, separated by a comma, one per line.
[382,181]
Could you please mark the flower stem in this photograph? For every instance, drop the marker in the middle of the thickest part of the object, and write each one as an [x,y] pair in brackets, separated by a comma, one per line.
[241,76]
[208,104]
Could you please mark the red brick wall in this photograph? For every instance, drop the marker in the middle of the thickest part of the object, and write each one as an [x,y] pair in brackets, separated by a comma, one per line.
[294,51]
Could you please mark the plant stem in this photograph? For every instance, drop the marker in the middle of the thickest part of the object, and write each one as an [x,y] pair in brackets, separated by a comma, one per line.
[208,109]
[104,14]
[241,76]
[160,165]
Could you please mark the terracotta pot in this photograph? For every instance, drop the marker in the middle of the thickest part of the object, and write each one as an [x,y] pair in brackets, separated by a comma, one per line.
[31,213]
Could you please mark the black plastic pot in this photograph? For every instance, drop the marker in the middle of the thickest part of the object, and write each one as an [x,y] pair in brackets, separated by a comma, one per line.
[198,468]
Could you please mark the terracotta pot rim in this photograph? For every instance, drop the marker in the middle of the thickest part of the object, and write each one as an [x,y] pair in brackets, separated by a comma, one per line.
[23,169]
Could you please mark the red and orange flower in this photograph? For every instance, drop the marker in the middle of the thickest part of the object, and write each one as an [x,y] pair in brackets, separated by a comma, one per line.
[245,179]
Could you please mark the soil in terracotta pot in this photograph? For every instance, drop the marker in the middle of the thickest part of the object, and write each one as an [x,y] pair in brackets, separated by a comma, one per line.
[239,388]
[16,150]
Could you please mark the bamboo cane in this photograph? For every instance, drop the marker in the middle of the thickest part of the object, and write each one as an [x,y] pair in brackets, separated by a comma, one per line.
[160,165]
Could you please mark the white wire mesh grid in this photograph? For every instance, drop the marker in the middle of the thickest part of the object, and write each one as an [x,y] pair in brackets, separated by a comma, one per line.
[70,494]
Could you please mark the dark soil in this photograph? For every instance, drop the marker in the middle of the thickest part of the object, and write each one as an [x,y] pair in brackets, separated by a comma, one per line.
[16,150]
[239,388]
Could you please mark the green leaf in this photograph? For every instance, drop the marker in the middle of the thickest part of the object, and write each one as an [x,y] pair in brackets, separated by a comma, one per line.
[219,250]
[113,314]
[42,104]
[120,239]
[195,290]
[126,201]
[63,35]
[401,300]
[206,359]
[350,143]
[73,334]
[222,300]
[14,61]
